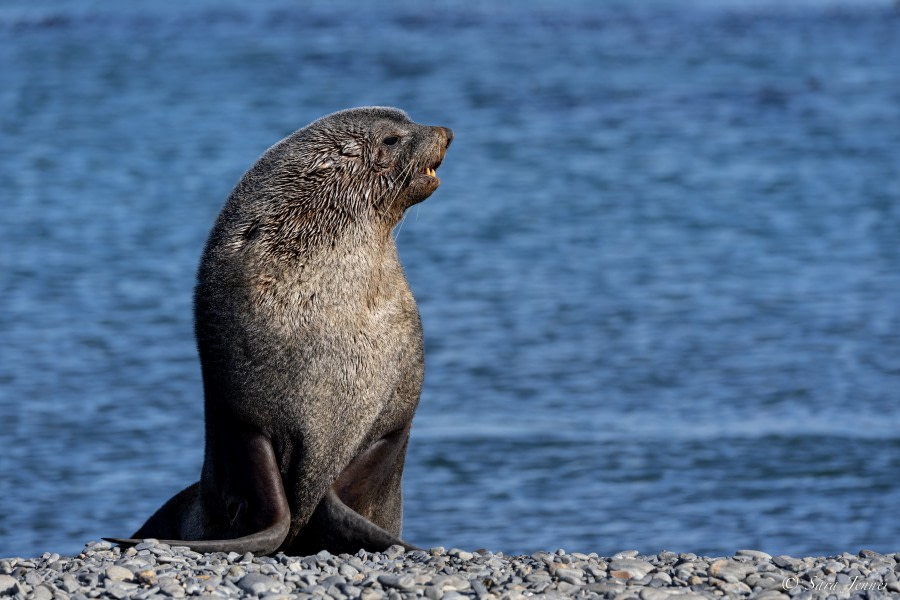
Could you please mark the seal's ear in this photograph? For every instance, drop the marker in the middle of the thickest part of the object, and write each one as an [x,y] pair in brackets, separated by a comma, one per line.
[319,168]
[351,148]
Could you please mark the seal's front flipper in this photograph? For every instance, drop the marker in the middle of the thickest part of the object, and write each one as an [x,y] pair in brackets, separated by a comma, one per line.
[253,500]
[336,527]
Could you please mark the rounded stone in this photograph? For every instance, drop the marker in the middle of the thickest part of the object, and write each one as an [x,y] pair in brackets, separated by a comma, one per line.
[41,592]
[786,562]
[572,576]
[461,554]
[172,589]
[729,570]
[629,568]
[371,594]
[655,594]
[117,573]
[400,582]
[254,583]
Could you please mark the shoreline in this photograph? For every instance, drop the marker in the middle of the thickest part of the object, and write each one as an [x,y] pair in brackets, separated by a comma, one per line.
[152,570]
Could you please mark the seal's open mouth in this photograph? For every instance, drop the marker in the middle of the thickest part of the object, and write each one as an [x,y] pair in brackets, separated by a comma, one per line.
[430,171]
[424,180]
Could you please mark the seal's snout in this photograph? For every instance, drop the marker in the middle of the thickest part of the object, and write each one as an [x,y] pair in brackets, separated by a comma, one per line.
[448,136]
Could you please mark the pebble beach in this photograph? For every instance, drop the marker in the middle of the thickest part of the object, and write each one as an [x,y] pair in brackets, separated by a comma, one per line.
[155,570]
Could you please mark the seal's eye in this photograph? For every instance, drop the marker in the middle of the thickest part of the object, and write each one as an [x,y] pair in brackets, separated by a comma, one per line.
[390,140]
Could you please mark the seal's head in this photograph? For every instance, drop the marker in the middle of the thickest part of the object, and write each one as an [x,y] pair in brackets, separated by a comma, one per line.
[359,168]
[385,149]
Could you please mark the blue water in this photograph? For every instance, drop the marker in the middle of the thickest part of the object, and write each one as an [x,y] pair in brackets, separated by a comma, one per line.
[660,283]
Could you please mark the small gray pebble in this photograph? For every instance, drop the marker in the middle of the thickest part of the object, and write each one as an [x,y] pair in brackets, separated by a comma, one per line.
[172,589]
[770,595]
[371,594]
[573,576]
[254,583]
[236,571]
[120,590]
[666,556]
[117,573]
[97,546]
[350,591]
[333,580]
[458,583]
[479,588]
[655,594]
[634,567]
[41,592]
[568,589]
[348,571]
[165,559]
[785,562]
[311,562]
[34,578]
[146,544]
[461,554]
[69,584]
[596,571]
[57,565]
[400,582]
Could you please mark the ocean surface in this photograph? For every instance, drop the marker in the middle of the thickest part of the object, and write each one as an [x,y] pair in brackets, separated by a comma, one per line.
[660,283]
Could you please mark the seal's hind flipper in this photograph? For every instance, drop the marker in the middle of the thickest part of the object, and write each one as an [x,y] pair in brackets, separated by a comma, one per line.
[336,527]
[262,542]
[255,490]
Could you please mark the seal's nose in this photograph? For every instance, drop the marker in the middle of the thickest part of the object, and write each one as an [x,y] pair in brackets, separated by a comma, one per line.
[448,135]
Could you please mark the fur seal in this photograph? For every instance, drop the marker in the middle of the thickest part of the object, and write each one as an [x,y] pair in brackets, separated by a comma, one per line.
[310,343]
